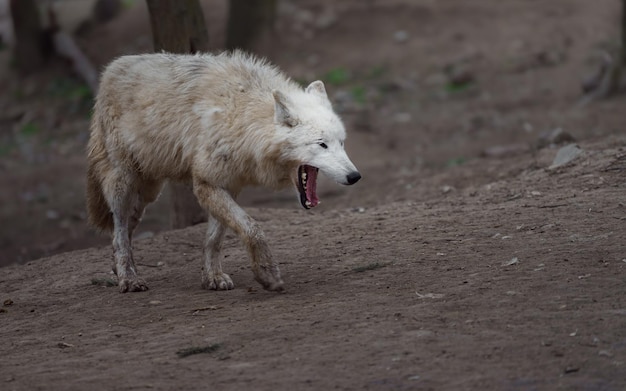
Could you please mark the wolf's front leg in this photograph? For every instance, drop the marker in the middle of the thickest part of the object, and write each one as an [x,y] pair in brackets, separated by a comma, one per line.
[223,207]
[128,280]
[123,201]
[212,275]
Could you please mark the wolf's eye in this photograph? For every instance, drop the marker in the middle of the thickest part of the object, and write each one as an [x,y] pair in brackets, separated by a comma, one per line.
[323,145]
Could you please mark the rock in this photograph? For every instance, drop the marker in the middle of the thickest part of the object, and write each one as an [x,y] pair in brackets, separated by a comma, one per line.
[549,58]
[421,333]
[429,295]
[326,20]
[459,74]
[446,189]
[565,155]
[52,214]
[402,118]
[594,80]
[144,235]
[503,151]
[401,36]
[553,137]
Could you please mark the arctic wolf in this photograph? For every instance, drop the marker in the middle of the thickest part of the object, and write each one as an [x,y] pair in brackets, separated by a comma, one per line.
[219,123]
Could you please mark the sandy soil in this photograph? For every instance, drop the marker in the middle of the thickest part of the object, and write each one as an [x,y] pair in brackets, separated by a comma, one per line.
[443,269]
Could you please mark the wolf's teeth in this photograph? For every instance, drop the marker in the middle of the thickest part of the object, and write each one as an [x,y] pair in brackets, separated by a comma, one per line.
[308,203]
[303,176]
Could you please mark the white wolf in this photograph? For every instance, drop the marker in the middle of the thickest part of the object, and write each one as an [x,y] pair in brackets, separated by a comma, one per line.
[220,123]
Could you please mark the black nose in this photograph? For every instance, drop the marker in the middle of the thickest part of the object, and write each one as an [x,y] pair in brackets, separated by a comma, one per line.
[353,177]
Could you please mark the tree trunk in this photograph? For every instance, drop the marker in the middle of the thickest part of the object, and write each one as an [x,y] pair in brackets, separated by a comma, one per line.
[29,48]
[615,75]
[178,27]
[248,20]
[623,29]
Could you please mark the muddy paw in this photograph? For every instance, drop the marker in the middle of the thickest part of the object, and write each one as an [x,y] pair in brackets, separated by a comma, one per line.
[269,277]
[217,282]
[135,284]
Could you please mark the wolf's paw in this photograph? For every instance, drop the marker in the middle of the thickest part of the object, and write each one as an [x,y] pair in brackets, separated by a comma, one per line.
[134,284]
[269,277]
[217,281]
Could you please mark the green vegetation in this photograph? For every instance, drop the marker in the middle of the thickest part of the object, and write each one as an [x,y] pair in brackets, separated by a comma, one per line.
[358,94]
[6,149]
[29,129]
[18,94]
[337,76]
[457,161]
[357,84]
[78,94]
[458,87]
[65,87]
[376,72]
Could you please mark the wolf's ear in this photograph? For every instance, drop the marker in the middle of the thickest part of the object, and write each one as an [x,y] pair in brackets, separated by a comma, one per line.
[317,87]
[282,115]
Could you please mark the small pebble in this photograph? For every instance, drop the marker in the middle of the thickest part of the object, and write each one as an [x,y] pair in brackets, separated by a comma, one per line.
[401,36]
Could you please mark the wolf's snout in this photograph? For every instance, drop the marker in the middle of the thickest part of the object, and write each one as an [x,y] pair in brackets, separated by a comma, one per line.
[353,177]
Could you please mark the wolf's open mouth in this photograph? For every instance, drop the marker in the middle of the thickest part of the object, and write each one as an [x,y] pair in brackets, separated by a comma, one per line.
[307,183]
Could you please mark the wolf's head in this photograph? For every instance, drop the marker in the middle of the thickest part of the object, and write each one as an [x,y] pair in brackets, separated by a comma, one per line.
[315,137]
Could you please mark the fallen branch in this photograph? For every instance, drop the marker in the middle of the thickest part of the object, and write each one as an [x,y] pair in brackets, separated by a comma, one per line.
[65,46]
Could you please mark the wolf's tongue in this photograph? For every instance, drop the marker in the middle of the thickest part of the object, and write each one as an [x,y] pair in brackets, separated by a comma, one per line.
[311,185]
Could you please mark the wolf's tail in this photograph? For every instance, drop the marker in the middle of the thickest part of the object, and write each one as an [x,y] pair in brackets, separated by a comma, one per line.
[98,211]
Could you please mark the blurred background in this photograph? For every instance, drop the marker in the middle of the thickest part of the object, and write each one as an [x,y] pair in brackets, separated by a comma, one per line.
[422,85]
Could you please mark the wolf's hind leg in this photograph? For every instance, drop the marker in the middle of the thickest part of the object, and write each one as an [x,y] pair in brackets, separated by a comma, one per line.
[212,275]
[120,191]
[148,192]
[136,215]
[219,203]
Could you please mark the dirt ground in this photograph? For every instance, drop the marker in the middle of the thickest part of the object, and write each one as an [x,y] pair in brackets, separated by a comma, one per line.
[461,260]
